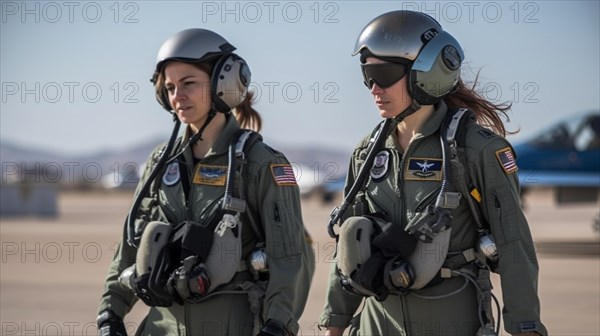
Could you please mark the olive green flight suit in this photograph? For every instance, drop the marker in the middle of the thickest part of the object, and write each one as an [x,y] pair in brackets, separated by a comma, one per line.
[399,191]
[275,203]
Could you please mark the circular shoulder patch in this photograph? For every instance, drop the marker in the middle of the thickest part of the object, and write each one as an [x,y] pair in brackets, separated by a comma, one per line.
[172,174]
[380,166]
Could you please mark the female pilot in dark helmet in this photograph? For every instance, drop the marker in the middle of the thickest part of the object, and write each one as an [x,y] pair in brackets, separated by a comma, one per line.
[214,243]
[431,201]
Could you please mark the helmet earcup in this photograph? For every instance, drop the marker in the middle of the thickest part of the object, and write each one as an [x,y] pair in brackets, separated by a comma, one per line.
[229,83]
[436,70]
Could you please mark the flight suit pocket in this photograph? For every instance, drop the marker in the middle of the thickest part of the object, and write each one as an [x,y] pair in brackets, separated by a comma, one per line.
[503,216]
[284,232]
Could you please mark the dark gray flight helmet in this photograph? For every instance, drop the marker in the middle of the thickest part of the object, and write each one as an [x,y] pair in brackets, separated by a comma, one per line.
[434,54]
[230,75]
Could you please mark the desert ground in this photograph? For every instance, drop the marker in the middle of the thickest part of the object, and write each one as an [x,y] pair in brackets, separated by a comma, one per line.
[52,270]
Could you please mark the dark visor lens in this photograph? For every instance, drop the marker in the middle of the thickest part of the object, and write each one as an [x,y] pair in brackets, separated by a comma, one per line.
[383,74]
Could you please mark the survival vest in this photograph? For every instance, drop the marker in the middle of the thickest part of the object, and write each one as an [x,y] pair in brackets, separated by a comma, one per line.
[192,247]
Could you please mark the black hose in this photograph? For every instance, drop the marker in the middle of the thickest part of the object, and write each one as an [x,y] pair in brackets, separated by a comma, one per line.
[131,239]
[384,131]
[386,128]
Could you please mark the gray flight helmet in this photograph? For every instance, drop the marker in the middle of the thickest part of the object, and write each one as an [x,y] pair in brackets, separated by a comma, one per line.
[435,55]
[230,76]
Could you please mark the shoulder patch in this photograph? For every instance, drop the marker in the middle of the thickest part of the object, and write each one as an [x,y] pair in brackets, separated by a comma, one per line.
[283,174]
[506,158]
[210,175]
[172,174]
[380,167]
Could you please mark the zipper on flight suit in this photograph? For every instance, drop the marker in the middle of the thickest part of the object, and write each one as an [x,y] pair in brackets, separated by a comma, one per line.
[497,205]
[276,214]
[183,330]
[186,307]
[402,196]
[189,194]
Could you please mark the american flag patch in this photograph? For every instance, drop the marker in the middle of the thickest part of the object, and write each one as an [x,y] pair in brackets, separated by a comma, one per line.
[283,174]
[507,160]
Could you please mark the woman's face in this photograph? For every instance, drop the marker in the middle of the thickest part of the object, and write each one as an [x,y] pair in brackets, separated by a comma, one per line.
[392,100]
[188,89]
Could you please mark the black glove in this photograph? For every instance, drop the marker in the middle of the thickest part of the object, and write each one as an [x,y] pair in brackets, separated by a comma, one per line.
[109,324]
[274,328]
[151,298]
[152,288]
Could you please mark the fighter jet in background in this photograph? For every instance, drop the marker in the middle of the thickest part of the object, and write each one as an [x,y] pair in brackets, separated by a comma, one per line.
[566,158]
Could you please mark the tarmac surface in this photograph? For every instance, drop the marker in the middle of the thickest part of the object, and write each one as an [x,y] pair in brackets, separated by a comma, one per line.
[52,270]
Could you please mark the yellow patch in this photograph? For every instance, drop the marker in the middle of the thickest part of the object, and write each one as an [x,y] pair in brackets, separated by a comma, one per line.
[476,195]
[210,175]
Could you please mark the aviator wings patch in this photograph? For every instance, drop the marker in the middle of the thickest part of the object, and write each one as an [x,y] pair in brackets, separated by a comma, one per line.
[424,169]
[210,175]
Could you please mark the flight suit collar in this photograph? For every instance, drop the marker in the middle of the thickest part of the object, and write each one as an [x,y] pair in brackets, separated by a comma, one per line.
[431,126]
[221,144]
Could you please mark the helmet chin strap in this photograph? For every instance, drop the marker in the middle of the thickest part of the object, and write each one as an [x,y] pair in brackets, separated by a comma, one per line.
[198,135]
[414,107]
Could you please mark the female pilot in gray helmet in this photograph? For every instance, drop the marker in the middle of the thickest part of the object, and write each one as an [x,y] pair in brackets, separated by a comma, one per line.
[431,200]
[214,242]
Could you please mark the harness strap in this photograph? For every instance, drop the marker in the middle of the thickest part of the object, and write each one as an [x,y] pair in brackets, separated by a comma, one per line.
[242,141]
[234,199]
[453,125]
[460,259]
[458,162]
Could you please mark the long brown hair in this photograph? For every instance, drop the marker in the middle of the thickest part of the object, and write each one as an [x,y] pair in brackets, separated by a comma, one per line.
[246,115]
[488,114]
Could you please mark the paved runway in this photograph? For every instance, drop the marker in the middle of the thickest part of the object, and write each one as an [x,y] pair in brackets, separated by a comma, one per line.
[52,270]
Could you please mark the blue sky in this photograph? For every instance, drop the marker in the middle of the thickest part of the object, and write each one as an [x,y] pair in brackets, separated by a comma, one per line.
[75,75]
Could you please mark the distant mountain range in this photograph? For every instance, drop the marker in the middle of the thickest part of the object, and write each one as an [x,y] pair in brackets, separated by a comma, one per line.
[46,166]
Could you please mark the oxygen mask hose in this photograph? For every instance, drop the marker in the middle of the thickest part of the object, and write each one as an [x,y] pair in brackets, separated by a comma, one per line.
[376,143]
[385,129]
[162,161]
[132,240]
[197,136]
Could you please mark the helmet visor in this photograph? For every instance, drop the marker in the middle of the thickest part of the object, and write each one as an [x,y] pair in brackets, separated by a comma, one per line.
[383,74]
